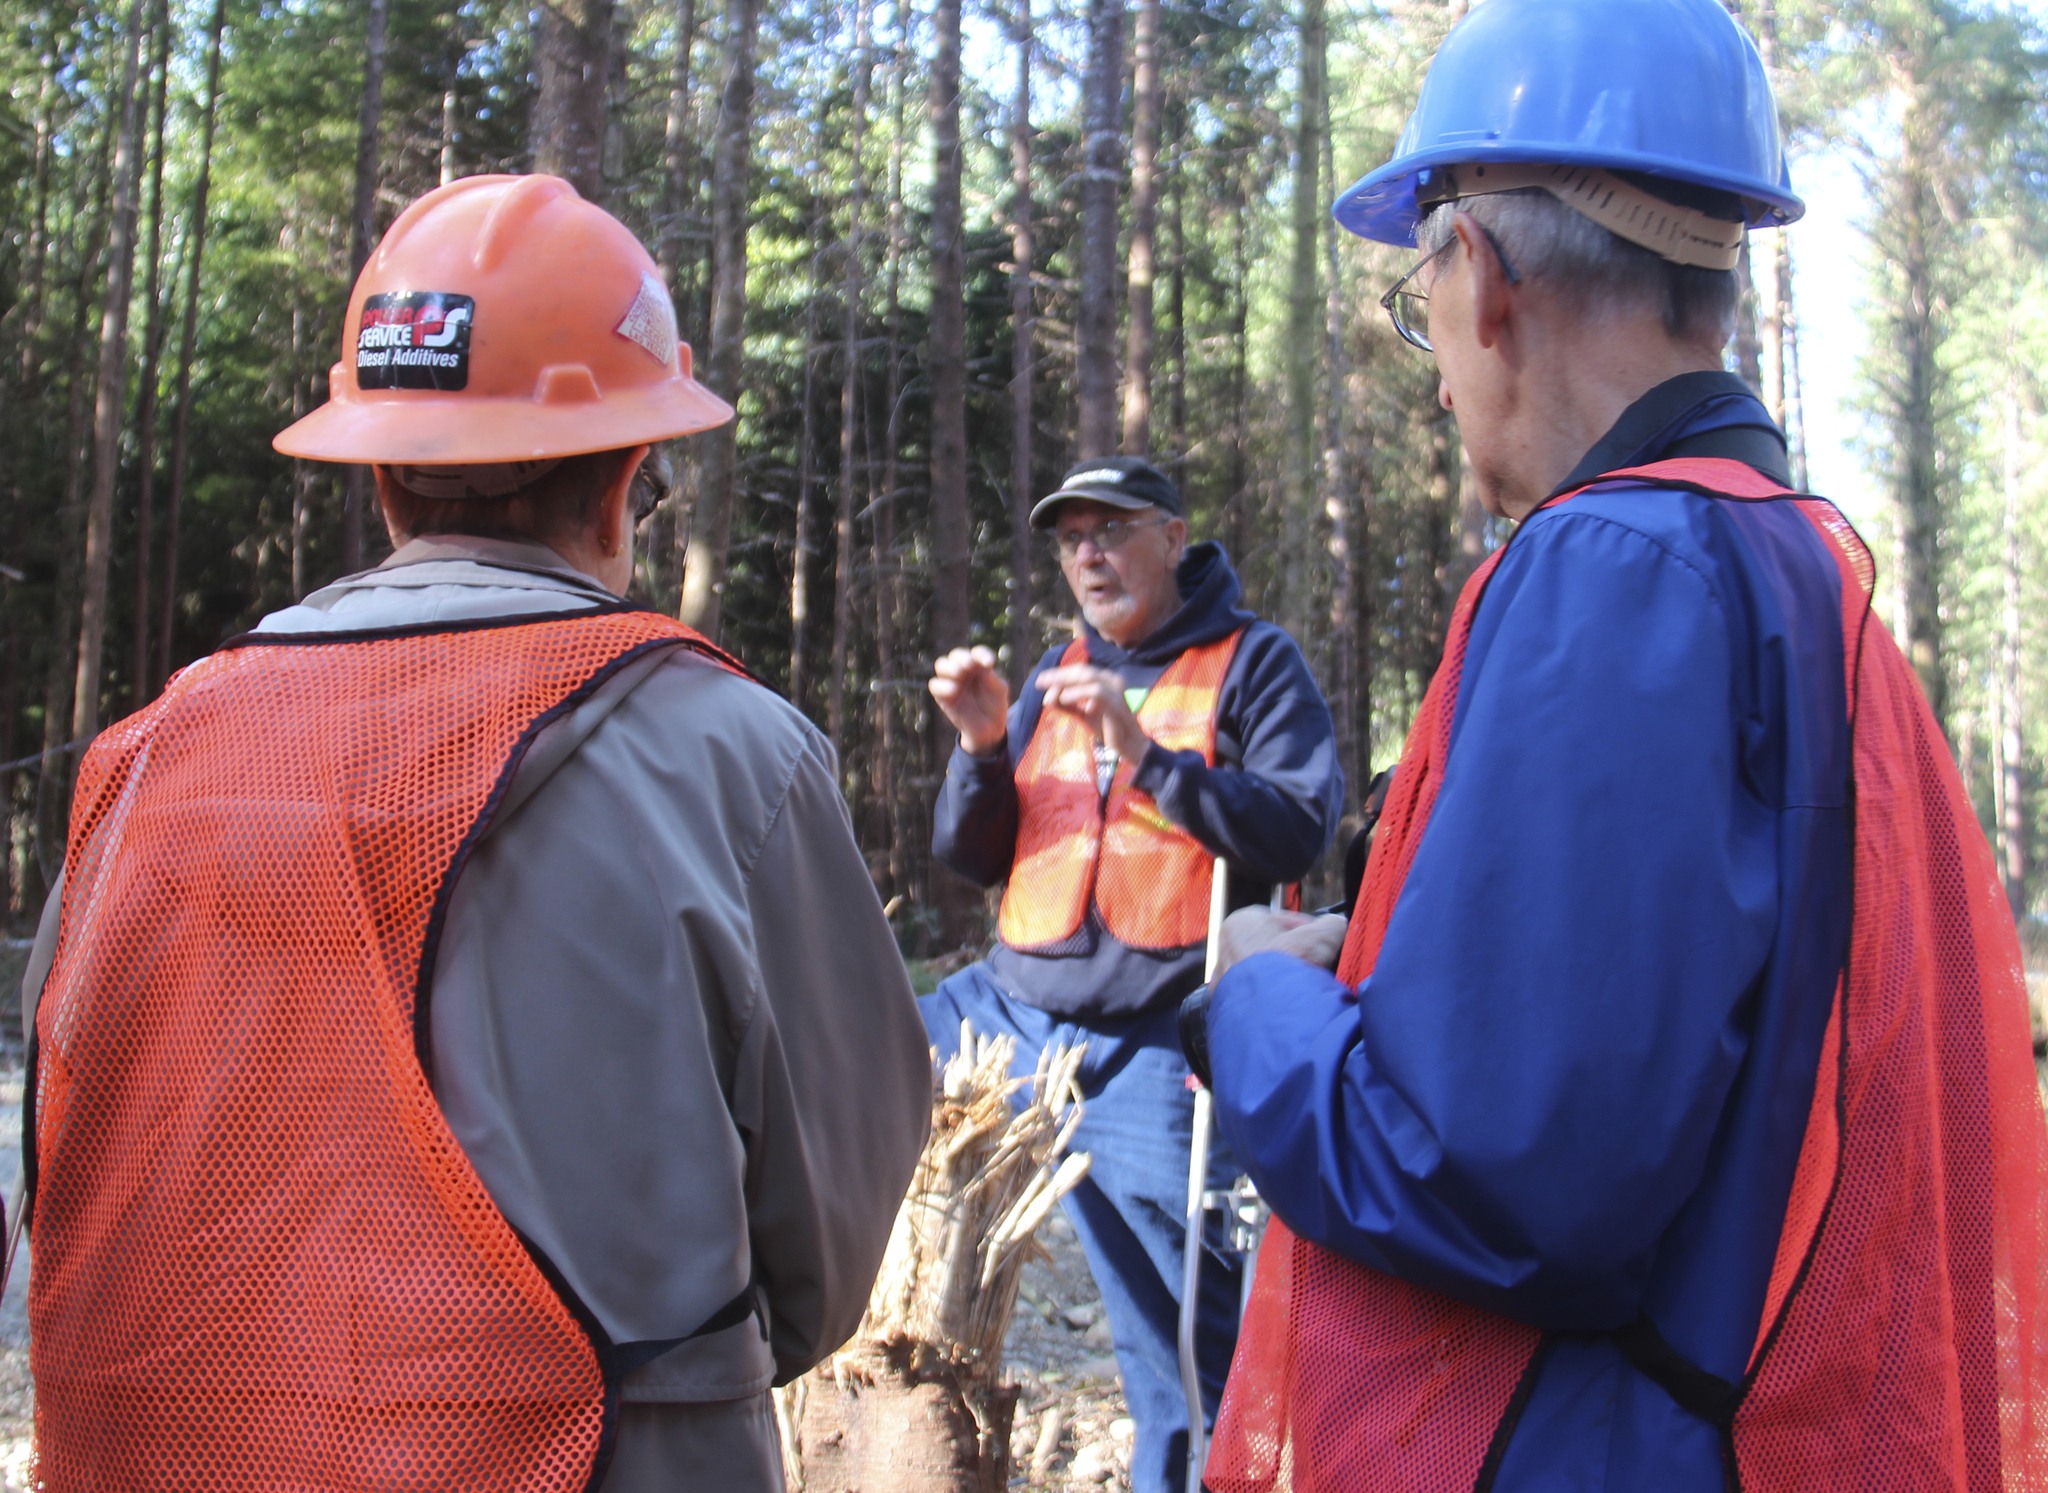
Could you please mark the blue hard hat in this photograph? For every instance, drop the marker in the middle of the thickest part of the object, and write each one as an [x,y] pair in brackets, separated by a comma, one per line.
[1673,88]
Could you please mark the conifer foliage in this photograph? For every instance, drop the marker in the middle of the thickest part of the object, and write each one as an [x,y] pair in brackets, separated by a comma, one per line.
[934,250]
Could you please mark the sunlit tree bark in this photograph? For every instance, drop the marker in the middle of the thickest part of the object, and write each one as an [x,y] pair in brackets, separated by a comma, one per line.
[731,170]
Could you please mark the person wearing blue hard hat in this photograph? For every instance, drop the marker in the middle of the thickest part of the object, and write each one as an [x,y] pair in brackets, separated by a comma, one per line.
[1667,1121]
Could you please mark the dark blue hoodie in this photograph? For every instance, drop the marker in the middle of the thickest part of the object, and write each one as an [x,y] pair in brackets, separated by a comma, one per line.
[1270,804]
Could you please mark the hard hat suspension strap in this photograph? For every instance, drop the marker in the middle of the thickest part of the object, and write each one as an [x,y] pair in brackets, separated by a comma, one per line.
[1682,235]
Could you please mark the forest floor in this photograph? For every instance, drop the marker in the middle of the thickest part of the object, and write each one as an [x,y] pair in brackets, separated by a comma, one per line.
[1071,1430]
[17,1397]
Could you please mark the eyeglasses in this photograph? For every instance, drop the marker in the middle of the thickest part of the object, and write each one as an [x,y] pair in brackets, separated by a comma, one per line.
[1408,308]
[1112,534]
[651,485]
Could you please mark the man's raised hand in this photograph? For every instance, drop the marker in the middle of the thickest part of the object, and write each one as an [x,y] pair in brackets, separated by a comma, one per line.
[1097,696]
[974,697]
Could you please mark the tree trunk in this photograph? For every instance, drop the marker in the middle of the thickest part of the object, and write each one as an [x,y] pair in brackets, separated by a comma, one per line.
[1772,270]
[1304,316]
[1023,358]
[806,471]
[677,156]
[1794,421]
[302,470]
[849,385]
[1449,472]
[110,399]
[1240,500]
[889,774]
[718,468]
[1470,550]
[362,233]
[1145,104]
[2012,818]
[904,1419]
[574,48]
[35,257]
[1342,508]
[1772,291]
[152,352]
[1917,497]
[1101,175]
[53,782]
[947,355]
[451,100]
[1177,297]
[188,339]
[946,362]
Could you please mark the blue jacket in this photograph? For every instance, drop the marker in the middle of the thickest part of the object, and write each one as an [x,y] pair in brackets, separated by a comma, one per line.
[1573,1089]
[1270,804]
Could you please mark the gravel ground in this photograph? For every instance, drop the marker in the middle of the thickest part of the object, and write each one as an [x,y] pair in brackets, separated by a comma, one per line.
[16,1399]
[1071,1431]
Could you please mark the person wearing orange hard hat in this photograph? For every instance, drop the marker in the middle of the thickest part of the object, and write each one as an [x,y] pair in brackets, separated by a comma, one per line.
[467,1050]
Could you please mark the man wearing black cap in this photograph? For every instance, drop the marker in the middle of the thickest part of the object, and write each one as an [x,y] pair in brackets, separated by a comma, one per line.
[1174,729]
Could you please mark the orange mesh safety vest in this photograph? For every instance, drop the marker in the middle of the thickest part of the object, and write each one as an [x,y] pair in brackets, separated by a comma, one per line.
[262,1260]
[1903,1345]
[1148,877]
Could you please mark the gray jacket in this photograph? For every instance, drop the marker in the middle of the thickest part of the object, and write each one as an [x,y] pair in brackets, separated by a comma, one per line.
[670,1025]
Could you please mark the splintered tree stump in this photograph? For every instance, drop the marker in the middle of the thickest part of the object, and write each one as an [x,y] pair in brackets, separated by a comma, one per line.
[900,1418]
[916,1403]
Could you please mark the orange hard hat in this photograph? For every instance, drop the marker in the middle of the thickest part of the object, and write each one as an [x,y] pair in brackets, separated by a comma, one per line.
[504,319]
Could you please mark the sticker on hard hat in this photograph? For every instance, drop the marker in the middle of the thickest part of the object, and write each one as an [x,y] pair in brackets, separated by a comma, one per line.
[417,339]
[651,321]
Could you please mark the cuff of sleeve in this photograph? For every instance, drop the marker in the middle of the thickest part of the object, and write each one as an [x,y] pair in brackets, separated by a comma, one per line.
[1156,769]
[993,764]
[1265,980]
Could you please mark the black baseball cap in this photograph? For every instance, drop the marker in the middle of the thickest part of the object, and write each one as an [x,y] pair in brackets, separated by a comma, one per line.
[1119,481]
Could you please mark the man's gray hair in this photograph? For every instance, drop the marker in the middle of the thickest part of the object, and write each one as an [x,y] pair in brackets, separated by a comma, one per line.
[1595,271]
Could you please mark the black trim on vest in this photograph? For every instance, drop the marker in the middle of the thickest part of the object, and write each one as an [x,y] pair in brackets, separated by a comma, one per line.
[1827,1212]
[614,1361]
[28,1124]
[1707,1395]
[1692,1388]
[430,946]
[600,1347]
[1663,1365]
[1511,1417]
[600,1341]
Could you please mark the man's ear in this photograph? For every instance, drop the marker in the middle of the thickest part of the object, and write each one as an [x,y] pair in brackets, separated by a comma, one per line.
[614,526]
[1493,300]
[390,506]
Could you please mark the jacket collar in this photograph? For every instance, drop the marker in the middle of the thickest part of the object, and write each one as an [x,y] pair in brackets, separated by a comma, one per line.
[463,559]
[1694,414]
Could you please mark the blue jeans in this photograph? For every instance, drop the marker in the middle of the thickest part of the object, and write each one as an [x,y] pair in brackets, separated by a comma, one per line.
[1129,1211]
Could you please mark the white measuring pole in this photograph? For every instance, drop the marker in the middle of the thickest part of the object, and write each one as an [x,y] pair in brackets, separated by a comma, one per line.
[1198,1184]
